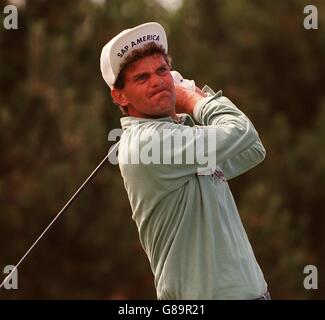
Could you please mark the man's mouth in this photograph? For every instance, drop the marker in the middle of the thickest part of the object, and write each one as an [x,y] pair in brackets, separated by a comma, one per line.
[157,92]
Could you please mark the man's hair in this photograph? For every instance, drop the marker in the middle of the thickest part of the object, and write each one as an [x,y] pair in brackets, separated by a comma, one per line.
[149,49]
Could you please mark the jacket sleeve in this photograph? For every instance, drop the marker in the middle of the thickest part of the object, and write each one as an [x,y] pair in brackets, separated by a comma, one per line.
[244,161]
[249,150]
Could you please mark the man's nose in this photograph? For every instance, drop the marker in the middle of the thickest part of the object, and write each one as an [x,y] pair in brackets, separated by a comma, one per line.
[155,80]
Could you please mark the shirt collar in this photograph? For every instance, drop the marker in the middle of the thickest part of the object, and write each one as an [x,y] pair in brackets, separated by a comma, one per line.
[183,119]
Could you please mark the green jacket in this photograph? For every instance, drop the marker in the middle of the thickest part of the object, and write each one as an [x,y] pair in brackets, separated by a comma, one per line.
[186,216]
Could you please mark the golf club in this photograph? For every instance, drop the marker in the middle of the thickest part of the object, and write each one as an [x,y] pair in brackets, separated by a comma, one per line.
[61,211]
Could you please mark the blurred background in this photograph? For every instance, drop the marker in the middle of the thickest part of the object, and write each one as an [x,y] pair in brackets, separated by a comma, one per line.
[56,112]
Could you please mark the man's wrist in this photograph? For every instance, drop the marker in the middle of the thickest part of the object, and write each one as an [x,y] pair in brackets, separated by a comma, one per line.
[193,100]
[186,100]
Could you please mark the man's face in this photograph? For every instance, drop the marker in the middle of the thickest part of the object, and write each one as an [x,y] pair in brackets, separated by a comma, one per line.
[149,90]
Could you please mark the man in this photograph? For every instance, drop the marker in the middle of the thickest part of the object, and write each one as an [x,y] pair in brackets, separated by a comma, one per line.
[175,172]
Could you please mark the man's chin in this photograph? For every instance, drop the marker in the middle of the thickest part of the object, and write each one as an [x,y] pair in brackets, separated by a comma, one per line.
[163,111]
[166,110]
[166,103]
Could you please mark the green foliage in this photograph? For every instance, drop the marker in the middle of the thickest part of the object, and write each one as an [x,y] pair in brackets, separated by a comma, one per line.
[56,111]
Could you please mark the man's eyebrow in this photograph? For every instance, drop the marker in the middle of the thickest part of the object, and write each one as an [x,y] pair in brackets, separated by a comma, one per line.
[163,65]
[137,75]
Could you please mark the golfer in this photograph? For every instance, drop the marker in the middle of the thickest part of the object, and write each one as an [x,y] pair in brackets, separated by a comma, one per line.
[178,149]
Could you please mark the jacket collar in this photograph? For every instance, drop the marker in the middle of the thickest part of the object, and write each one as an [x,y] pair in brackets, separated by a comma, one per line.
[183,119]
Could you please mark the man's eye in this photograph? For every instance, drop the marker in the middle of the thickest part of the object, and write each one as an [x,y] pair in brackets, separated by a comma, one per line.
[142,77]
[162,70]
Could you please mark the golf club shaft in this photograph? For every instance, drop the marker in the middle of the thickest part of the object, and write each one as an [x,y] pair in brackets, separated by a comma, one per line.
[61,211]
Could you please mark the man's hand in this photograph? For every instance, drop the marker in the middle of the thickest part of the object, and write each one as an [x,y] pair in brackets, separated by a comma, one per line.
[186,99]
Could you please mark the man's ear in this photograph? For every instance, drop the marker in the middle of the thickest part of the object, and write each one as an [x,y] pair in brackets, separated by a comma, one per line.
[119,97]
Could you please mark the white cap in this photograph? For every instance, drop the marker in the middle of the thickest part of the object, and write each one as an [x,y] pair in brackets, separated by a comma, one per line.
[117,49]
